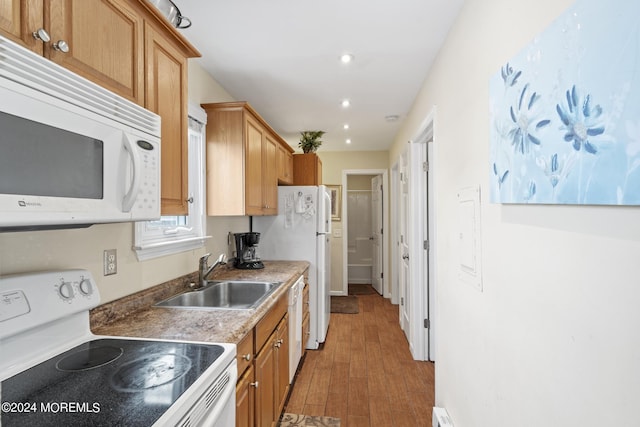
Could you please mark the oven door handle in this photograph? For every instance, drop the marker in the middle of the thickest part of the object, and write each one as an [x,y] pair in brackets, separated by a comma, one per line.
[130,197]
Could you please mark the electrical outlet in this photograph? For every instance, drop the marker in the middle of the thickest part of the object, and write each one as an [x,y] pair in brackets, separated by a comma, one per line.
[110,261]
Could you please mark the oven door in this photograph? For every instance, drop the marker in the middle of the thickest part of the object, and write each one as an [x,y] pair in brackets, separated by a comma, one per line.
[210,403]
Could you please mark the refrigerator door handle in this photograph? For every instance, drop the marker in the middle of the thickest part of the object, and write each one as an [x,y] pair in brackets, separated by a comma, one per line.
[327,214]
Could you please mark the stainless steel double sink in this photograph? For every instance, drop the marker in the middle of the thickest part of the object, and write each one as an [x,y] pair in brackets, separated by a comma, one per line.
[227,294]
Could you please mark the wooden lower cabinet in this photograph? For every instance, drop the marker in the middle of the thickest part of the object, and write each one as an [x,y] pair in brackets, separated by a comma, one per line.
[245,399]
[264,379]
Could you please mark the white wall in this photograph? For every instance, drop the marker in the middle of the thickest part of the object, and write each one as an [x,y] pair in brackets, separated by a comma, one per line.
[552,340]
[82,248]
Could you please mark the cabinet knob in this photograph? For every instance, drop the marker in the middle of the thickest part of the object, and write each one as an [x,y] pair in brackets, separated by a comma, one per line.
[190,199]
[247,357]
[255,384]
[61,46]
[42,35]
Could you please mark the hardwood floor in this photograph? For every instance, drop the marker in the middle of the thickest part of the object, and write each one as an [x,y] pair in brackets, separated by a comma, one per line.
[365,374]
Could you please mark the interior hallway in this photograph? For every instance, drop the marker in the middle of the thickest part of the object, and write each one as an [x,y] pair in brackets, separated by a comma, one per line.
[365,374]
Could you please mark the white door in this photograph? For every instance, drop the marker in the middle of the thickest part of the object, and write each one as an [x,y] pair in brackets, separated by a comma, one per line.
[403,253]
[376,233]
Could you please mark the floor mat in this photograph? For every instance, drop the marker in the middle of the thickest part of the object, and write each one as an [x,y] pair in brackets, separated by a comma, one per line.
[346,305]
[293,420]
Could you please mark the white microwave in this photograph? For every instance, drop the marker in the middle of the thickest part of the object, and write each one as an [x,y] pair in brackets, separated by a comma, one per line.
[72,153]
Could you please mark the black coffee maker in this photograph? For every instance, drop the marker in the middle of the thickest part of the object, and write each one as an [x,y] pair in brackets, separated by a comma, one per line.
[246,257]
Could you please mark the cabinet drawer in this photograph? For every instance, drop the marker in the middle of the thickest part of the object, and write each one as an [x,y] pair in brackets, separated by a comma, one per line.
[269,322]
[245,352]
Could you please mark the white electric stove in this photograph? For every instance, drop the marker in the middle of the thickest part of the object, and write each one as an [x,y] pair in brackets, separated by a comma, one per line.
[55,372]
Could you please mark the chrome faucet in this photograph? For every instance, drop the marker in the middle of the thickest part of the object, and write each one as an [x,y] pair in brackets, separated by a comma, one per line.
[204,270]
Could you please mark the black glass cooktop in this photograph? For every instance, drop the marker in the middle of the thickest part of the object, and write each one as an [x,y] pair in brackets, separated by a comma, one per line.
[105,382]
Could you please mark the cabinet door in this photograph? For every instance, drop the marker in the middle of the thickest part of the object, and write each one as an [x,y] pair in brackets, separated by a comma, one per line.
[282,381]
[285,165]
[265,365]
[11,19]
[269,176]
[19,19]
[245,399]
[253,166]
[166,92]
[105,40]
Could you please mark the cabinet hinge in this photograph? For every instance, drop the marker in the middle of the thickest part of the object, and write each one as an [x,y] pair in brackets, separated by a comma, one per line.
[425,245]
[427,323]
[425,166]
[402,301]
[382,275]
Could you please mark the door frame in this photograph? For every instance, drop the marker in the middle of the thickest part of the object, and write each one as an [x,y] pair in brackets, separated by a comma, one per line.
[423,224]
[394,240]
[385,225]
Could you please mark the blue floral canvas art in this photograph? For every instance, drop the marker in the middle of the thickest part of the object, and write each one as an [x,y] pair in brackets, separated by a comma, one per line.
[565,111]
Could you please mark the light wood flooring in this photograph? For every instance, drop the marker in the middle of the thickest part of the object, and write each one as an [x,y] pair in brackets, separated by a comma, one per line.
[365,374]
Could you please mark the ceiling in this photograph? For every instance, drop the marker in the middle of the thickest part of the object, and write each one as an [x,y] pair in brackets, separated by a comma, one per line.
[283,57]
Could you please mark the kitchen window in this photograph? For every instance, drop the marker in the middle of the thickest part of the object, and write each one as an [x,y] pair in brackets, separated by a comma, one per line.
[173,234]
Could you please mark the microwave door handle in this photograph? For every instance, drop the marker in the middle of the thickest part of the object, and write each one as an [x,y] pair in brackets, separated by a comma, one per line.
[130,198]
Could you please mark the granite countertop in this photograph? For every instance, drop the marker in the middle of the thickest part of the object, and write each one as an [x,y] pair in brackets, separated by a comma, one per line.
[135,315]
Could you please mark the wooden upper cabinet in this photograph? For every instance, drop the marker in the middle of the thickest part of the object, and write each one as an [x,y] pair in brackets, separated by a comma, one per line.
[285,164]
[242,169]
[307,169]
[126,46]
[101,40]
[10,19]
[255,135]
[270,175]
[19,19]
[105,42]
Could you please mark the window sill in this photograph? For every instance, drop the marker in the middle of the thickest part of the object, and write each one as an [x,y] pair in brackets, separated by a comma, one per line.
[156,250]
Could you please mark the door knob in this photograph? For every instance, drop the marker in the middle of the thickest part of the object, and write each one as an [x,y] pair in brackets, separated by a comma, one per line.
[42,35]
[61,46]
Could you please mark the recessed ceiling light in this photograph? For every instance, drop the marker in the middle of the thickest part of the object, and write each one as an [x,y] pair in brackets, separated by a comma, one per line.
[346,103]
[348,141]
[346,58]
[392,118]
[346,126]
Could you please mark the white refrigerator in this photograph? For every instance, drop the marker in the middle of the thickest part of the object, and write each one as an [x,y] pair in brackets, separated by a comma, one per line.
[302,232]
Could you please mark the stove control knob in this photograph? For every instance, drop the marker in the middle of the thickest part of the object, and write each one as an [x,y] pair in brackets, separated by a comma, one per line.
[65,290]
[85,287]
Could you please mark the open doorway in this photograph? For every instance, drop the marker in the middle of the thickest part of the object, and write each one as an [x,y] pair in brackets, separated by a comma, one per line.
[364,213]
